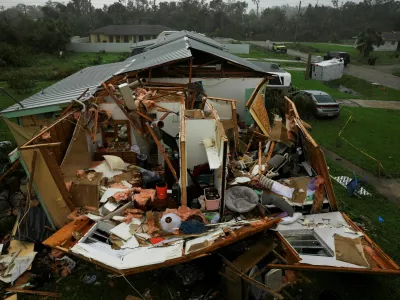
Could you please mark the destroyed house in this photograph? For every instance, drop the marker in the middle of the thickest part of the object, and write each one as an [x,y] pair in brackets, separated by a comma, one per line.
[140,166]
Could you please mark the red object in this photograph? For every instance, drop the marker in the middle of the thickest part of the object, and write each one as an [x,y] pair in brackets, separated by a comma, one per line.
[156,240]
[162,191]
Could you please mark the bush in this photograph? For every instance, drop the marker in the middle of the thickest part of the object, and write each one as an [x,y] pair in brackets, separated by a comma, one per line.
[19,82]
[98,60]
[13,56]
[123,56]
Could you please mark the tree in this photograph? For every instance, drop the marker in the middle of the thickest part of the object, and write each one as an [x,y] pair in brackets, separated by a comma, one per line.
[257,3]
[366,41]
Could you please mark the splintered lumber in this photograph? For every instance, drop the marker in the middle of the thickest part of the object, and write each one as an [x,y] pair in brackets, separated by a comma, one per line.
[13,167]
[130,118]
[31,292]
[56,144]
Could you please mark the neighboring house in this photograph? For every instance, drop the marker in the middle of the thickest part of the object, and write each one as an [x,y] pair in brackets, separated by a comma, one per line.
[126,33]
[391,42]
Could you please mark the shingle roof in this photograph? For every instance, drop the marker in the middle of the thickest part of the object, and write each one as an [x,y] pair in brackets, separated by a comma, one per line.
[131,30]
[391,36]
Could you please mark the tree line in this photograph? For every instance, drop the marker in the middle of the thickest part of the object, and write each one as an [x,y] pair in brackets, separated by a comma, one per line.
[48,28]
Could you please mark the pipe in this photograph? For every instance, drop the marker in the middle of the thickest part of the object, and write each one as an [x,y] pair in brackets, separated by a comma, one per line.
[9,95]
[81,103]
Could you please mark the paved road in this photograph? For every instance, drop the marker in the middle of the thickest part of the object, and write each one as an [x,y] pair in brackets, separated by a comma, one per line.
[370,103]
[367,73]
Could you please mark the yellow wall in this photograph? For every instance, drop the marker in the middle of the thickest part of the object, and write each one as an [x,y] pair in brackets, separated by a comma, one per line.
[111,38]
[93,38]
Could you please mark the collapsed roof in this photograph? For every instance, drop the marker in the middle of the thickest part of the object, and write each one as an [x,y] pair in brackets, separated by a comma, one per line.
[181,46]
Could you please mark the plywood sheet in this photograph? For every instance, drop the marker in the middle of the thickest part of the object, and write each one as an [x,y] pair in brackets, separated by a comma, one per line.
[21,134]
[260,114]
[77,156]
[49,194]
[86,192]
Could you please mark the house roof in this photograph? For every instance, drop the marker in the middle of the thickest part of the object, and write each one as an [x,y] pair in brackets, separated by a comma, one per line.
[64,91]
[131,29]
[71,87]
[391,36]
[189,34]
[178,49]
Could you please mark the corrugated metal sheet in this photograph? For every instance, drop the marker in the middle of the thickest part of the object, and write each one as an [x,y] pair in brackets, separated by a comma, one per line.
[72,87]
[174,51]
[181,34]
[226,55]
[92,77]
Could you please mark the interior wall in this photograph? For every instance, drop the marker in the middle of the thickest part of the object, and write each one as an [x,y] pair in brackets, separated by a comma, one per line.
[224,108]
[231,88]
[171,122]
[196,130]
[117,114]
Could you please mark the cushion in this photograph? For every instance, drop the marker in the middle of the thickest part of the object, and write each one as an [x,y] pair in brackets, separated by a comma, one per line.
[114,162]
[241,199]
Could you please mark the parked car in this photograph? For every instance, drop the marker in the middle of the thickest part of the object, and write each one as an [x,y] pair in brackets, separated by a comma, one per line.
[326,105]
[338,54]
[279,48]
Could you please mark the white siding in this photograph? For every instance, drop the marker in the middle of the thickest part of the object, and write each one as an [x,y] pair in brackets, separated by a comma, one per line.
[387,46]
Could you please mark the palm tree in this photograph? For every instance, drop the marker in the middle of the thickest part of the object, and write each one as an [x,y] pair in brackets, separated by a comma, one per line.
[367,40]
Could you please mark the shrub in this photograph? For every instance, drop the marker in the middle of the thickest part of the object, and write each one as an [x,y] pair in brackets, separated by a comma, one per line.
[123,56]
[13,56]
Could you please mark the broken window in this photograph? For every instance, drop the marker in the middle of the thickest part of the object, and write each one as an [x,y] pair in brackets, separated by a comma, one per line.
[307,242]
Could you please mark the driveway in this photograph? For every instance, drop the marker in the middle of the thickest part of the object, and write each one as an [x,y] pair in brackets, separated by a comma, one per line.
[370,103]
[369,73]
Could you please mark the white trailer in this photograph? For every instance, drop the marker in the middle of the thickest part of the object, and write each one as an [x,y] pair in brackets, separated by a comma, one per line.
[327,70]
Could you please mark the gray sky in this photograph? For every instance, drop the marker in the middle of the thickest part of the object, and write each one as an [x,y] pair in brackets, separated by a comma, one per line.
[100,3]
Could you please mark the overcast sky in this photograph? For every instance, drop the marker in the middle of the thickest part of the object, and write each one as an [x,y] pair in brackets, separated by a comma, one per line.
[100,3]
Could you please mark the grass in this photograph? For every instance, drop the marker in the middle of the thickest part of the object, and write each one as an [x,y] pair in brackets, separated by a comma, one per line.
[366,211]
[258,52]
[299,82]
[374,131]
[384,58]
[366,89]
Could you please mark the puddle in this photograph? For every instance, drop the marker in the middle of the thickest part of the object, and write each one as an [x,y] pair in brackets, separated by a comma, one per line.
[346,90]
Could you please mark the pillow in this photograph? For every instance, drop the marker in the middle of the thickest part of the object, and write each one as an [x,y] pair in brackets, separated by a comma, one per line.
[114,162]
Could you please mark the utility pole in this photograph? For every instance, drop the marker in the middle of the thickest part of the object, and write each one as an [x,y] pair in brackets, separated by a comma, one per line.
[297,22]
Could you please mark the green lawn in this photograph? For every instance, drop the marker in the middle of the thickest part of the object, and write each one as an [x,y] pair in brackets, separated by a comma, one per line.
[261,52]
[365,211]
[366,89]
[299,82]
[384,58]
[374,131]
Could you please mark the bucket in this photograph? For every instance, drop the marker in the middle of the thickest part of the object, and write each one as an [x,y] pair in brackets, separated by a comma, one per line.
[141,160]
[212,204]
[161,188]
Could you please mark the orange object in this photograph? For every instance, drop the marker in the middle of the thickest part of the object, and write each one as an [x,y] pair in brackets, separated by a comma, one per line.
[161,189]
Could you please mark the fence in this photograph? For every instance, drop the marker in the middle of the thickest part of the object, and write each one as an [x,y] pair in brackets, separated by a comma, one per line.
[237,48]
[127,47]
[97,47]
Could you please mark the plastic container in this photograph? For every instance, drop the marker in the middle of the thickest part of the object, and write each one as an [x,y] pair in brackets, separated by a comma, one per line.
[212,198]
[161,188]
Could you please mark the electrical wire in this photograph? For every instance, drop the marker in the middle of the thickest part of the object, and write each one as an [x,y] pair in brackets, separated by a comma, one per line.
[134,288]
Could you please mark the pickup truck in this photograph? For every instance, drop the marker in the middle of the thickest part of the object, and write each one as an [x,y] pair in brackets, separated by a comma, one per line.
[279,48]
